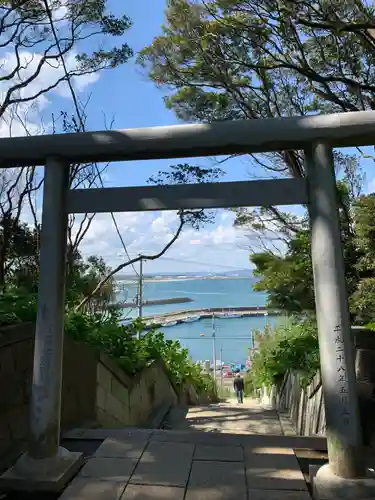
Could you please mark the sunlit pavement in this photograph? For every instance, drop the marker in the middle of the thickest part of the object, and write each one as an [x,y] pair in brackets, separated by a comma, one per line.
[222,451]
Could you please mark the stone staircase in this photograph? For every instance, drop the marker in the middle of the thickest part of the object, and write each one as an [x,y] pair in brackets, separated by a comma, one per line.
[221,452]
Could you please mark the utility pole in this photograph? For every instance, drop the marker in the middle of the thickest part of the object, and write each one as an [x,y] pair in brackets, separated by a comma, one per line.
[140,294]
[221,369]
[214,344]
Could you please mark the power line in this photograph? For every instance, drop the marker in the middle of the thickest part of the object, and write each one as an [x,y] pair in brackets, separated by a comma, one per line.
[81,122]
[210,338]
[205,263]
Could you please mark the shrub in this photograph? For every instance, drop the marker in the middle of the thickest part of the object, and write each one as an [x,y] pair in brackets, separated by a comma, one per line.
[120,343]
[290,347]
[104,332]
[17,307]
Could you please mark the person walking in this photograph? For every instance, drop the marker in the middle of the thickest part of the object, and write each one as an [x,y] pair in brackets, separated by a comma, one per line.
[239,387]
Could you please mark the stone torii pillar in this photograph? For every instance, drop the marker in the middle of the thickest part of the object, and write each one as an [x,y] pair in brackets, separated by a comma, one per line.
[345,476]
[47,466]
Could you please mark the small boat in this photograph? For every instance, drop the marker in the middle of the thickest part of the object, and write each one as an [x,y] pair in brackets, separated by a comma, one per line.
[190,319]
[232,315]
[169,323]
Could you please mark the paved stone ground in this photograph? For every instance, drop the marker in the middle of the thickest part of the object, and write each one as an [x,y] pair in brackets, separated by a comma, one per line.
[229,417]
[218,452]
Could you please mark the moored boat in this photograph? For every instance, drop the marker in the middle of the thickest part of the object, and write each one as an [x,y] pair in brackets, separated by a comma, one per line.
[190,319]
[169,323]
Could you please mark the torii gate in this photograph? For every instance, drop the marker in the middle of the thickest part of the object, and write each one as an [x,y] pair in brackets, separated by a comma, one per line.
[48,464]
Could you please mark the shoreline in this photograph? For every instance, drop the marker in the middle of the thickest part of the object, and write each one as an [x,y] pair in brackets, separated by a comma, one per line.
[172,279]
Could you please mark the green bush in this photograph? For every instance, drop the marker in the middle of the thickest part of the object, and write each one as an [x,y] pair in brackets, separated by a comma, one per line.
[104,332]
[288,347]
[120,343]
[17,307]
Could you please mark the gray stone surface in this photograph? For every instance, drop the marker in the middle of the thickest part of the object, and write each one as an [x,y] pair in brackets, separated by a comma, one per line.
[109,469]
[277,495]
[231,418]
[328,486]
[122,448]
[274,469]
[193,436]
[93,489]
[145,492]
[217,480]
[104,433]
[208,465]
[42,475]
[219,453]
[164,464]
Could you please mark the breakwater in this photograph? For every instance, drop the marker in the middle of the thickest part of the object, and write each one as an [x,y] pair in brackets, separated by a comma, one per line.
[156,302]
[220,313]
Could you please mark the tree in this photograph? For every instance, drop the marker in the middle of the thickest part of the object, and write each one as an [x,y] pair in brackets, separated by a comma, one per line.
[83,276]
[227,59]
[37,35]
[83,280]
[242,59]
[21,263]
[363,299]
[288,278]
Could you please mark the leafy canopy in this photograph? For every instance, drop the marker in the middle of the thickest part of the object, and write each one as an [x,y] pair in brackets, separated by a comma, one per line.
[233,59]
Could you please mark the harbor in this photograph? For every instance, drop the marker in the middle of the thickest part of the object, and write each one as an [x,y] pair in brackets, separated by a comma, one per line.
[204,325]
[192,315]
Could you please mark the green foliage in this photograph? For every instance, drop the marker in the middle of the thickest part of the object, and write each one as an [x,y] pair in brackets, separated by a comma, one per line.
[235,59]
[287,279]
[120,343]
[17,307]
[290,347]
[75,21]
[362,300]
[83,278]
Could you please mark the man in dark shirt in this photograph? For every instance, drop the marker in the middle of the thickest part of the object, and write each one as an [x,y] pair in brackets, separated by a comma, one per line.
[239,387]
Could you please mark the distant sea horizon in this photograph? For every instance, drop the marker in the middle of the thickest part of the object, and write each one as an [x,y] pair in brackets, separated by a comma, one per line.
[147,277]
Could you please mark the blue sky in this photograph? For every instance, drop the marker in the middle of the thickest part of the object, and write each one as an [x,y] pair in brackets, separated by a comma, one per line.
[126,96]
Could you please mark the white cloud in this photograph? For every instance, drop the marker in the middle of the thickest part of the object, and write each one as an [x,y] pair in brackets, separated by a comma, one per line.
[30,113]
[370,187]
[165,220]
[149,232]
[223,235]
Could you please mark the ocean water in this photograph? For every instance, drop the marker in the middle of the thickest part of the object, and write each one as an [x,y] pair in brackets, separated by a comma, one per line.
[233,335]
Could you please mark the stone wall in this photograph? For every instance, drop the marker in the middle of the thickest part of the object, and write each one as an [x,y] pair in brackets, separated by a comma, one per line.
[16,365]
[302,410]
[125,401]
[95,390]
